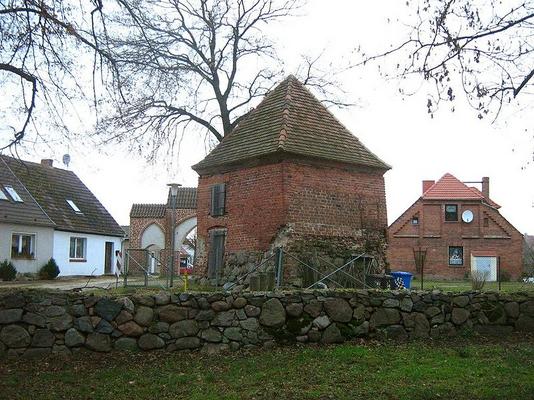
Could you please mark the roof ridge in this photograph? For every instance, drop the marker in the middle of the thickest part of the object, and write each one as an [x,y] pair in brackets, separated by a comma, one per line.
[284,129]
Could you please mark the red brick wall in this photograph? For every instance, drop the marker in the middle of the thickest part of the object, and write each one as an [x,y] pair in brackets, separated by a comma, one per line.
[313,199]
[138,226]
[254,206]
[435,235]
[325,200]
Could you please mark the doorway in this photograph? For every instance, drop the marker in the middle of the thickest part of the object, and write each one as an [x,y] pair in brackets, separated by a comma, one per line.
[108,257]
[486,265]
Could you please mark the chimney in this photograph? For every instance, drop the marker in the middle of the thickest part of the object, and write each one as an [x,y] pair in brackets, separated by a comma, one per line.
[47,162]
[427,184]
[485,187]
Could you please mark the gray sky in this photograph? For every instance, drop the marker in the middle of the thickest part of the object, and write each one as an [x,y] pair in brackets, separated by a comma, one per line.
[399,130]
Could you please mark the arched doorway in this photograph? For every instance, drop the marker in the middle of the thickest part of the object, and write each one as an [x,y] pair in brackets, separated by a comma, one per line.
[153,240]
[181,232]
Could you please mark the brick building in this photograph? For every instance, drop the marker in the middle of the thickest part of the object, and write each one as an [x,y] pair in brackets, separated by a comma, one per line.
[461,230]
[150,231]
[289,175]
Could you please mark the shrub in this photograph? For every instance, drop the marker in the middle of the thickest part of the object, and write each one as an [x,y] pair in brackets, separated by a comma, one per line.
[505,276]
[50,270]
[8,272]
[478,279]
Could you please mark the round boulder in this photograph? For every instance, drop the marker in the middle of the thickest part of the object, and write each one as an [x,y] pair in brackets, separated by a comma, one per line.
[273,313]
[15,336]
[338,309]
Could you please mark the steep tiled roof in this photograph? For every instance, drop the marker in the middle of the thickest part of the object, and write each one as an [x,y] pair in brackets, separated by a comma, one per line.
[185,198]
[450,188]
[147,211]
[52,187]
[290,120]
[26,212]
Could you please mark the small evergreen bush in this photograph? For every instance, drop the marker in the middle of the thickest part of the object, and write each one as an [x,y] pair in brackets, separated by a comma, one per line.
[50,270]
[8,272]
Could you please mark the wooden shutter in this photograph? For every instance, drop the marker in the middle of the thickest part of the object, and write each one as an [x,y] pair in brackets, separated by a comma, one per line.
[218,199]
[216,253]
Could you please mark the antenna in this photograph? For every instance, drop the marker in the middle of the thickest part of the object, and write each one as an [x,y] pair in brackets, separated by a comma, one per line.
[66,160]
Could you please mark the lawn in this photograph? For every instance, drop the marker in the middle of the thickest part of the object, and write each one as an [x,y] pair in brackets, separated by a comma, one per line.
[465,285]
[462,369]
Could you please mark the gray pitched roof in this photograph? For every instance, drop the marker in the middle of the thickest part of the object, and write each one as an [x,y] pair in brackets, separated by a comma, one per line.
[185,198]
[147,211]
[28,212]
[52,187]
[290,120]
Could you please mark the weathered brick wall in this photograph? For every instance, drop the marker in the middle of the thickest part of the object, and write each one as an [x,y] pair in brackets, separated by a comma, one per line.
[254,210]
[37,324]
[334,201]
[435,235]
[291,200]
[138,226]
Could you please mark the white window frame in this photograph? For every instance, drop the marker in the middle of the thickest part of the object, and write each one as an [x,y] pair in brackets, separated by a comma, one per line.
[75,239]
[33,242]
[73,205]
[13,193]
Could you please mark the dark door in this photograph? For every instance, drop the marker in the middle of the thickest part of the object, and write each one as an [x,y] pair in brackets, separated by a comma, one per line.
[216,254]
[108,256]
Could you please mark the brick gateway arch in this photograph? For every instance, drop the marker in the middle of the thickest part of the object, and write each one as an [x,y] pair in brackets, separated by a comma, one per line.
[151,230]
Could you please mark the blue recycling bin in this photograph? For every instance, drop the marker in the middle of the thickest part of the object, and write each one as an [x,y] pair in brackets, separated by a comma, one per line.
[405,276]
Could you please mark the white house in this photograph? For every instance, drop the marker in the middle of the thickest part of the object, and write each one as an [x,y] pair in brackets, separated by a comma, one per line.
[48,212]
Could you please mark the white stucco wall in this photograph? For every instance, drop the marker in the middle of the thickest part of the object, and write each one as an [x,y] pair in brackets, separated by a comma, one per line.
[44,239]
[95,253]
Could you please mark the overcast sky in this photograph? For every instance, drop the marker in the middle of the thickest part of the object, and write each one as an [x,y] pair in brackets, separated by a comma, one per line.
[399,130]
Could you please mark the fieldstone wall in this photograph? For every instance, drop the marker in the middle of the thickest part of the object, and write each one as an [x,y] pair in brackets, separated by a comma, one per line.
[35,323]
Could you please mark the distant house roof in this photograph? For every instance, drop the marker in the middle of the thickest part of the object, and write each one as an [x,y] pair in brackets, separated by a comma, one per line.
[27,212]
[290,120]
[64,198]
[185,198]
[450,188]
[147,211]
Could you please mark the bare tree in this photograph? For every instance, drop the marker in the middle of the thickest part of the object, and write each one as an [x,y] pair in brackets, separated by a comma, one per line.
[40,44]
[486,45]
[195,64]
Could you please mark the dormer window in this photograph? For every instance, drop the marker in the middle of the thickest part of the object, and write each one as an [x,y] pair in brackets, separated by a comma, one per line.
[451,212]
[74,206]
[13,193]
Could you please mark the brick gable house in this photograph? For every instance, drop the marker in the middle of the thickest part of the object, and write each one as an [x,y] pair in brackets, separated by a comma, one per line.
[461,230]
[150,232]
[290,174]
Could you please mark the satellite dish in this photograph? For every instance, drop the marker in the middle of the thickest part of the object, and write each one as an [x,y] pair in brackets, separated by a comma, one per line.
[66,160]
[467,216]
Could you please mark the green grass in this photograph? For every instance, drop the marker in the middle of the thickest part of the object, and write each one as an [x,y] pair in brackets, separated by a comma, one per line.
[418,370]
[465,285]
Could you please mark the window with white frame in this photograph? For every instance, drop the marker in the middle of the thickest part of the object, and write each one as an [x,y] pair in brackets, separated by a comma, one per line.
[3,195]
[13,193]
[23,245]
[73,205]
[78,248]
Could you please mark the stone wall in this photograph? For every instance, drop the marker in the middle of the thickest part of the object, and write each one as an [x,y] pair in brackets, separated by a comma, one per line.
[35,324]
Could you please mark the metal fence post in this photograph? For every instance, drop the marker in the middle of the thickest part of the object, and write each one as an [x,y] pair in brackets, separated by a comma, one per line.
[279,269]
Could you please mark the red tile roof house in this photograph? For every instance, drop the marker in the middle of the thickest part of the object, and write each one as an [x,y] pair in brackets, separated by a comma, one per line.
[461,230]
[291,175]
